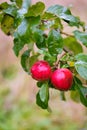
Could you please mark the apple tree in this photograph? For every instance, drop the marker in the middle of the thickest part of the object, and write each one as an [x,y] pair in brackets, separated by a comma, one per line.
[52,57]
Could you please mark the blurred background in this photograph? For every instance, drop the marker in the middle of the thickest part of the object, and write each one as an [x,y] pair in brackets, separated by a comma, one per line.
[18,109]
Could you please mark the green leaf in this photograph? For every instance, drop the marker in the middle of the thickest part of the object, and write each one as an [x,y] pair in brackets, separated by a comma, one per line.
[81,36]
[65,14]
[83,95]
[82,91]
[44,93]
[23,27]
[26,24]
[36,9]
[18,45]
[50,21]
[18,2]
[43,96]
[3,6]
[55,42]
[39,84]
[23,34]
[25,60]
[48,16]
[1,17]
[56,24]
[11,10]
[58,10]
[49,58]
[81,68]
[72,44]
[32,60]
[52,24]
[39,38]
[81,57]
[75,95]
[71,20]
[77,81]
[7,24]
[23,10]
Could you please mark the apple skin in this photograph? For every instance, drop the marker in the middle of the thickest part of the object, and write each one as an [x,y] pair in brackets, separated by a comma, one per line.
[62,79]
[41,71]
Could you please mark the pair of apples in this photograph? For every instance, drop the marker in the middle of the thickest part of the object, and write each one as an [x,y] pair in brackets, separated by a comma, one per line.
[61,79]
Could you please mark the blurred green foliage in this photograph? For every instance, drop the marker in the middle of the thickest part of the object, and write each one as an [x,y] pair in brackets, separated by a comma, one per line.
[9,72]
[22,115]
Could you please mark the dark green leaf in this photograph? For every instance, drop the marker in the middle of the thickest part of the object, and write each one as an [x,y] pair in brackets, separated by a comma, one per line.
[65,14]
[25,60]
[18,2]
[11,10]
[71,20]
[34,22]
[39,84]
[83,95]
[81,68]
[51,21]
[21,12]
[3,6]
[72,44]
[51,85]
[52,24]
[23,34]
[49,58]
[39,38]
[26,24]
[81,36]
[24,28]
[77,81]
[12,0]
[81,57]
[43,96]
[82,91]
[7,24]
[36,9]
[55,42]
[18,45]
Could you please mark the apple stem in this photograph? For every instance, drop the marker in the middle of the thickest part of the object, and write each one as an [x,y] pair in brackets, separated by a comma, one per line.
[62,94]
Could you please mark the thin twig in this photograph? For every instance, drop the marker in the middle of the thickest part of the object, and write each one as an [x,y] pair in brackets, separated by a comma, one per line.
[67,51]
[57,63]
[66,34]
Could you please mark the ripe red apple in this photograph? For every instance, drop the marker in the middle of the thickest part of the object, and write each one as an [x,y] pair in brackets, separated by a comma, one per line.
[62,79]
[41,71]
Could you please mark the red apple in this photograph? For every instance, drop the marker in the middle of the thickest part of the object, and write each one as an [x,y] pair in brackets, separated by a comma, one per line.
[41,71]
[62,79]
